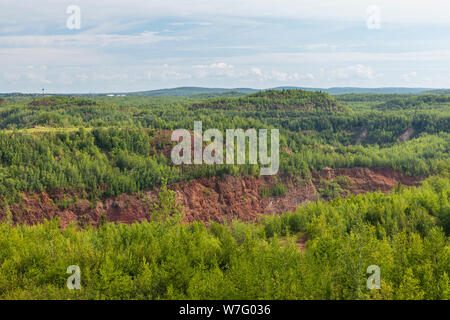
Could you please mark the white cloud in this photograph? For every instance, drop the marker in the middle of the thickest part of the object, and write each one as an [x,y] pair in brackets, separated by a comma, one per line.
[87,39]
[308,76]
[63,56]
[256,71]
[38,78]
[358,71]
[216,69]
[82,77]
[190,23]
[11,76]
[175,75]
[218,65]
[112,76]
[279,76]
[117,44]
[409,77]
[221,65]
[84,39]
[320,46]
[65,79]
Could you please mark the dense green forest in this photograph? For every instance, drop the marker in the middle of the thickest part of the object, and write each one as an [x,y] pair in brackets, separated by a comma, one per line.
[105,146]
[405,234]
[276,100]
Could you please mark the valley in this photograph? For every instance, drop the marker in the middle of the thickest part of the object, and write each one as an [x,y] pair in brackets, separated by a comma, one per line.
[90,181]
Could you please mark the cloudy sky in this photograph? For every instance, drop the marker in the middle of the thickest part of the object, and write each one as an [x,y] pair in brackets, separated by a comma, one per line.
[134,45]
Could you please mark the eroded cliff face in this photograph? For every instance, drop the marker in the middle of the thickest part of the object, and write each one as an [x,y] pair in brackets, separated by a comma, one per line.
[208,199]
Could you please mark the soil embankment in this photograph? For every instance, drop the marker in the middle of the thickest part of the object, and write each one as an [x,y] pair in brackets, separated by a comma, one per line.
[208,199]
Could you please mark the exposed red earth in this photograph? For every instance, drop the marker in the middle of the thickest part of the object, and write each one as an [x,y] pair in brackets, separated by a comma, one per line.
[207,199]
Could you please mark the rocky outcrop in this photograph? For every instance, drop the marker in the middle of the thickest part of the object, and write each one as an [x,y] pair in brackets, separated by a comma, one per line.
[405,136]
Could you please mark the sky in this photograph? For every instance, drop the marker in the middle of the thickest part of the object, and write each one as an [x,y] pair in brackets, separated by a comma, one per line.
[102,46]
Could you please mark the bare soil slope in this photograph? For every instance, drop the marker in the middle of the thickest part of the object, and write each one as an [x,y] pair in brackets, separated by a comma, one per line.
[208,199]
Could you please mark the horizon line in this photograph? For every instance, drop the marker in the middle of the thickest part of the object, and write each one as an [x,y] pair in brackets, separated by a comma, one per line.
[220,88]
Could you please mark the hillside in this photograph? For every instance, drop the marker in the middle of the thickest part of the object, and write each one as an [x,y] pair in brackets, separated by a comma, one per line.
[276,100]
[214,199]
[422,101]
[438,91]
[366,187]
[358,90]
[61,102]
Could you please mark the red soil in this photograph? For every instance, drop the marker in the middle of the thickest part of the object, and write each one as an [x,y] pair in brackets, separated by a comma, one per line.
[207,199]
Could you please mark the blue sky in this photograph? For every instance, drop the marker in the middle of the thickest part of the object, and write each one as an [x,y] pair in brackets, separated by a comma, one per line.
[141,45]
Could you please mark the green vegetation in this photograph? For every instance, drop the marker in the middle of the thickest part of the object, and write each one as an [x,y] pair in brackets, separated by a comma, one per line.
[276,100]
[405,234]
[105,146]
[334,188]
[273,191]
[421,102]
